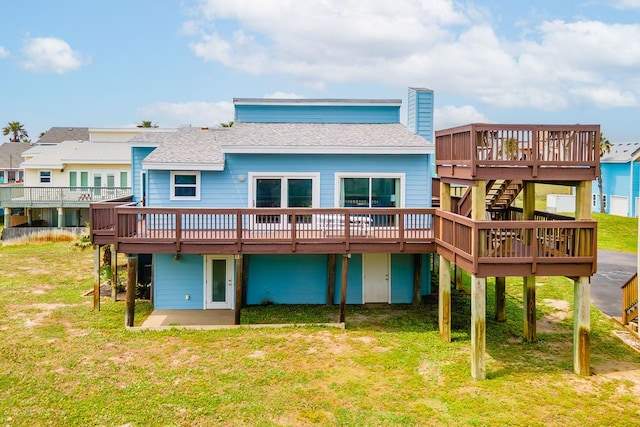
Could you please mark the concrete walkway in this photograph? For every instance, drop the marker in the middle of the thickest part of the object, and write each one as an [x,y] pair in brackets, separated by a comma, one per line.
[614,269]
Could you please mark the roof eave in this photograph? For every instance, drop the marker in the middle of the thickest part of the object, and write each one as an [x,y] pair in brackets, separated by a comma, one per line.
[430,149]
[216,167]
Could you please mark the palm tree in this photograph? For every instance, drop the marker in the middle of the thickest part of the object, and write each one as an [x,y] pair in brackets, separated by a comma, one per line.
[17,131]
[147,124]
[605,148]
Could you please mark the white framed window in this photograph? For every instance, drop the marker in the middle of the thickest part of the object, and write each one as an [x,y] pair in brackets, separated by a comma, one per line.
[594,200]
[45,177]
[283,190]
[604,202]
[185,185]
[369,190]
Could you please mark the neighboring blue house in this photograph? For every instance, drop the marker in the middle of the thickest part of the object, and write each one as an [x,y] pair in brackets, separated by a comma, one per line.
[309,153]
[620,171]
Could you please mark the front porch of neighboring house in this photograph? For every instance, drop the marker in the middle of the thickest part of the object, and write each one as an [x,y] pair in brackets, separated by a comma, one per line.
[53,206]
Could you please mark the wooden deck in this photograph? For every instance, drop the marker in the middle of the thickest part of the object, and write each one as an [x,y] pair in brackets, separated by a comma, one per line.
[521,152]
[547,245]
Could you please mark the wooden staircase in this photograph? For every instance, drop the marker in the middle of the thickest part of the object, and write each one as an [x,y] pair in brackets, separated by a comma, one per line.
[630,300]
[500,194]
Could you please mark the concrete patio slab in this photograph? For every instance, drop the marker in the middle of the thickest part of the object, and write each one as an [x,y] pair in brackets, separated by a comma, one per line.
[206,319]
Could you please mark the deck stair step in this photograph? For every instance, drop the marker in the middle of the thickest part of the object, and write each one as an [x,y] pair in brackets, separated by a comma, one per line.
[500,195]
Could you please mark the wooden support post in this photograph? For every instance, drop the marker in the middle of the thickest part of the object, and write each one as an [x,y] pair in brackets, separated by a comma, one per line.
[343,286]
[114,273]
[500,299]
[478,213]
[444,275]
[478,327]
[458,277]
[7,217]
[331,279]
[239,279]
[29,216]
[417,279]
[132,282]
[96,277]
[245,278]
[444,299]
[529,282]
[581,326]
[529,307]
[582,293]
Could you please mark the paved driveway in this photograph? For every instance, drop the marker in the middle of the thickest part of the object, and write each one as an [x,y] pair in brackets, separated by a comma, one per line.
[614,269]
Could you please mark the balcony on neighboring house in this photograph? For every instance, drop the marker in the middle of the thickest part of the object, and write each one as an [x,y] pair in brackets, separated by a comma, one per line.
[18,196]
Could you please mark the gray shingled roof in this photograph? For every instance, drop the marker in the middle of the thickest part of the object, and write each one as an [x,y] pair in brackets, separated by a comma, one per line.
[323,138]
[622,152]
[56,135]
[11,154]
[188,148]
[195,148]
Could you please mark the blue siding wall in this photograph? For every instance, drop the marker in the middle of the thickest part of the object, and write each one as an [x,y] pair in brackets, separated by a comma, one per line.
[402,266]
[222,189]
[138,154]
[287,279]
[420,112]
[280,279]
[317,113]
[172,280]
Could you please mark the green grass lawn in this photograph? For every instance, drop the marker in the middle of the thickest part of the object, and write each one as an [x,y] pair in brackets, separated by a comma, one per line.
[61,363]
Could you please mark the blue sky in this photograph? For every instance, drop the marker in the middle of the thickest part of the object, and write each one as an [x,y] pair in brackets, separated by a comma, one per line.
[115,63]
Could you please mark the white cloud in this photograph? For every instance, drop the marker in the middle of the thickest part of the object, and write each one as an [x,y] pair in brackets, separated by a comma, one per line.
[3,52]
[451,116]
[51,55]
[167,114]
[627,4]
[437,44]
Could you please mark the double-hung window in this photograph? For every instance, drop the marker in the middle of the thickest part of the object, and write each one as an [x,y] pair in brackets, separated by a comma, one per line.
[185,185]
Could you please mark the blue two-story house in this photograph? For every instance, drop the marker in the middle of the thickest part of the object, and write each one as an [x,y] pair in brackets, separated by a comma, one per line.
[620,173]
[281,159]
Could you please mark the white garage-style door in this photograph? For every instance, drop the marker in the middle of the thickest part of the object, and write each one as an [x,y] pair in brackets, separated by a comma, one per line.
[619,205]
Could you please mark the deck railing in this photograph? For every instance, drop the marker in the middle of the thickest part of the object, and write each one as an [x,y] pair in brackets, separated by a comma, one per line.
[473,245]
[127,224]
[19,196]
[630,299]
[483,145]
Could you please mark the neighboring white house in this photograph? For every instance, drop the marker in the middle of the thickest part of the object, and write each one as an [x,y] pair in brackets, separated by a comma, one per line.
[61,178]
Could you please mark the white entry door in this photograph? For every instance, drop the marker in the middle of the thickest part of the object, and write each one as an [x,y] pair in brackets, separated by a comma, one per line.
[375,280]
[219,282]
